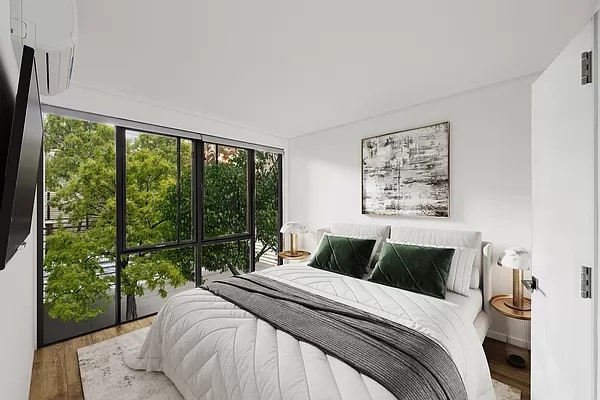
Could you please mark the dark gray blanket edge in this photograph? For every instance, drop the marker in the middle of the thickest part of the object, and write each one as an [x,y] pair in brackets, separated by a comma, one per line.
[406,362]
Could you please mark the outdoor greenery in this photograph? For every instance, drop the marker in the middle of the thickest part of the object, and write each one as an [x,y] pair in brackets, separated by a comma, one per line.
[81,172]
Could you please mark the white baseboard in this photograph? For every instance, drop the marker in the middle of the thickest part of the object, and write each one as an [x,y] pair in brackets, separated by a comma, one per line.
[526,344]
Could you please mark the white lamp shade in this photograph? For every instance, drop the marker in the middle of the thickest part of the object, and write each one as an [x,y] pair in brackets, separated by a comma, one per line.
[515,258]
[293,227]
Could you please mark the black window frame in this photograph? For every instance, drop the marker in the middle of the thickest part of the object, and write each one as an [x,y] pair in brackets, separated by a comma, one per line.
[121,166]
[250,202]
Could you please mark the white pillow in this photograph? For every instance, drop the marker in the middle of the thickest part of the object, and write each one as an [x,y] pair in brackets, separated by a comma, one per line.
[349,230]
[374,253]
[475,277]
[459,276]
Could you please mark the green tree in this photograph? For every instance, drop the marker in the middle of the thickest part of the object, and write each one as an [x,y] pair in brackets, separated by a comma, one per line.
[150,173]
[80,170]
[225,208]
[267,179]
[226,204]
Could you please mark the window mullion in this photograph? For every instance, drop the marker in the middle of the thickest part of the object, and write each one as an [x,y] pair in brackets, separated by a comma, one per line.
[178,190]
[198,206]
[121,151]
[252,207]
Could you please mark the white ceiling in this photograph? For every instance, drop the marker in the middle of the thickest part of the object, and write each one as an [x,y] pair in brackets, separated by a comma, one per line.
[294,67]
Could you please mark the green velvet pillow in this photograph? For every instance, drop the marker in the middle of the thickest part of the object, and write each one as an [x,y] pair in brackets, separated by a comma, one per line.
[343,255]
[416,268]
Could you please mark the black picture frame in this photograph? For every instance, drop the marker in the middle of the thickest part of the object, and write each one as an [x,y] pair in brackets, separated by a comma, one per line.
[407,173]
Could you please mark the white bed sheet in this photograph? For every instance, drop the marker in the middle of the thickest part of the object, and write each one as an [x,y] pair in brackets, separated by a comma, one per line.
[469,307]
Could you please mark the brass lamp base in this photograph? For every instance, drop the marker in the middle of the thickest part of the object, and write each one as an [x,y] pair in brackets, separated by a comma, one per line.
[518,302]
[298,255]
[293,244]
[525,307]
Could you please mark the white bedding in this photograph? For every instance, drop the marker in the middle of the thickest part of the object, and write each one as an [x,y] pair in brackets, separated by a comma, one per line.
[211,349]
[471,306]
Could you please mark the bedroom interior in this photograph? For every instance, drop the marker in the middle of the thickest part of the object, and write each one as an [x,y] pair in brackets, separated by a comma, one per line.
[326,200]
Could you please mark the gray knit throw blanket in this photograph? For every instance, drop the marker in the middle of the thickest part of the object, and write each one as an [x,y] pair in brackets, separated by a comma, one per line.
[407,363]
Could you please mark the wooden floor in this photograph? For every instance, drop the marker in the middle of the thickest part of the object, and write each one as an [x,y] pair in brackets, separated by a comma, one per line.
[55,373]
[502,371]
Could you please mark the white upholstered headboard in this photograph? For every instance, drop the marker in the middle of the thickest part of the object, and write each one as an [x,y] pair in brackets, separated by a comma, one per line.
[472,239]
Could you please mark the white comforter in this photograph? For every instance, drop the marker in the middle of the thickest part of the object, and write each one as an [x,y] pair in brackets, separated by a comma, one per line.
[211,349]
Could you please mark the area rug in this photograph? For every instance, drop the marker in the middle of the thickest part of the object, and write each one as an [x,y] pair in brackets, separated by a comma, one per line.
[104,375]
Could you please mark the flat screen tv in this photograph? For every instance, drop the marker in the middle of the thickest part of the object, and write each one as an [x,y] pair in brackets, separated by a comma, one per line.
[20,161]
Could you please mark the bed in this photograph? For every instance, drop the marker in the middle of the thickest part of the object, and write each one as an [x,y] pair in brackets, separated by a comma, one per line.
[212,349]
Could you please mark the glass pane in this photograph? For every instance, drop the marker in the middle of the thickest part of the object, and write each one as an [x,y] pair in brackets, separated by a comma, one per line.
[151,191]
[267,203]
[79,227]
[187,191]
[225,190]
[176,213]
[148,278]
[224,260]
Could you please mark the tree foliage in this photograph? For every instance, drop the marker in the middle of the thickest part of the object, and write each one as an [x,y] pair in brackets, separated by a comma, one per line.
[225,212]
[267,180]
[81,171]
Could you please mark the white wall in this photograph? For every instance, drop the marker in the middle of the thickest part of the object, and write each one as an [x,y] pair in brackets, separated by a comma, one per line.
[17,281]
[18,310]
[490,173]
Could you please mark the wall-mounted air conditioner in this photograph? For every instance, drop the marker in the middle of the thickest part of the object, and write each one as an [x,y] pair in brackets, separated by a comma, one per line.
[50,27]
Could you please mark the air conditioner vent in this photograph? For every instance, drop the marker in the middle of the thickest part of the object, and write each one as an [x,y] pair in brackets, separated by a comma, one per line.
[47,73]
[50,27]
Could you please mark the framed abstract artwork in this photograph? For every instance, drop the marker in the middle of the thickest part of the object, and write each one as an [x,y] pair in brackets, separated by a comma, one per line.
[407,173]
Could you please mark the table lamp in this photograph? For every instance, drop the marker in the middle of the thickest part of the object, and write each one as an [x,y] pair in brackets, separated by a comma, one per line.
[519,259]
[293,229]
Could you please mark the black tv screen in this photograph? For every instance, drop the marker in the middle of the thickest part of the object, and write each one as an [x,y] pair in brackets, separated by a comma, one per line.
[22,161]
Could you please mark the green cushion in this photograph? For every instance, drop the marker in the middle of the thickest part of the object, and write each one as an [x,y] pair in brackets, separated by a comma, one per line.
[343,255]
[416,268]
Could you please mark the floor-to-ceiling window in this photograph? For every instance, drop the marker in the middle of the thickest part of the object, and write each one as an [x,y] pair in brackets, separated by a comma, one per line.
[226,236]
[155,228]
[269,203]
[131,214]
[79,227]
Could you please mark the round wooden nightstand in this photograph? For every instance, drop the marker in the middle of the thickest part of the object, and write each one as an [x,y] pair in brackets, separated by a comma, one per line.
[499,303]
[300,255]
